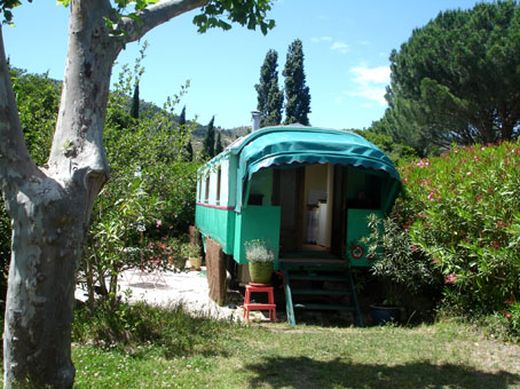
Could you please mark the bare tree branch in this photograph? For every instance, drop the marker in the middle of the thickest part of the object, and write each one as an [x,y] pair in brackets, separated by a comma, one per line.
[156,15]
[16,164]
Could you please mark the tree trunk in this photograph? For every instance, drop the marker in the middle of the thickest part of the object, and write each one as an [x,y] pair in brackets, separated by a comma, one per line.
[47,236]
[50,209]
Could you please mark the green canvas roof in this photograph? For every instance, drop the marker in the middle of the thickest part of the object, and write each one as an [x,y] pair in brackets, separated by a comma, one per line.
[286,145]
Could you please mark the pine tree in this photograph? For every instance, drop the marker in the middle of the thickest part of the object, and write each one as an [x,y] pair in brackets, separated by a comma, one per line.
[134,110]
[218,145]
[270,97]
[209,140]
[297,96]
[188,148]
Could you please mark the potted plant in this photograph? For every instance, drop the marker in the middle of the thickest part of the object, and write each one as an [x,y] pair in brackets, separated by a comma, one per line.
[390,308]
[403,270]
[192,252]
[260,261]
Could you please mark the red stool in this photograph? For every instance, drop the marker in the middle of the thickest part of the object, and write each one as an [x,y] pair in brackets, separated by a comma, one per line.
[259,288]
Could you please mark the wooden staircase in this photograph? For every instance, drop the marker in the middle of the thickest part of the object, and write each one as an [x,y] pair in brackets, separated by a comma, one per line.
[319,285]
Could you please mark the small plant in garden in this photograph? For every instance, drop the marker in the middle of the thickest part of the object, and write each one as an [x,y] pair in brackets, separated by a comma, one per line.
[192,252]
[258,251]
[513,316]
[404,269]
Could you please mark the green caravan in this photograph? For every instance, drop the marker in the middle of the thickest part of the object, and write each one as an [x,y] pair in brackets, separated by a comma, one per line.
[305,191]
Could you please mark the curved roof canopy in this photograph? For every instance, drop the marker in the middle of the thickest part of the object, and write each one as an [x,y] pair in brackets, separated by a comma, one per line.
[286,145]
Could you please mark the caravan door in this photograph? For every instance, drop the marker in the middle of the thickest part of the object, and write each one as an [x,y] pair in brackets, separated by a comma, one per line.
[288,194]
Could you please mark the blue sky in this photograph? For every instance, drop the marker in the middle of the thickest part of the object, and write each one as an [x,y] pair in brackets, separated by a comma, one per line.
[346,45]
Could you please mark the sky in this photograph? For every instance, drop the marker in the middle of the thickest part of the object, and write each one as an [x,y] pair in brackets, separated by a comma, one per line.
[346,44]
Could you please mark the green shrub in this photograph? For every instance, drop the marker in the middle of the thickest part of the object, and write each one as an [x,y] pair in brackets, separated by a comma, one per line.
[463,210]
[503,325]
[513,316]
[405,271]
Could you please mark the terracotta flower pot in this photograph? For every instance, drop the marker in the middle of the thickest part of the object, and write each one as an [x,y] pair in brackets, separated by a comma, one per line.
[196,262]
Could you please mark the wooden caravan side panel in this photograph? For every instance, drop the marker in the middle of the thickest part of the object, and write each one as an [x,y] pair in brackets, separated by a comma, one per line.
[257,222]
[218,224]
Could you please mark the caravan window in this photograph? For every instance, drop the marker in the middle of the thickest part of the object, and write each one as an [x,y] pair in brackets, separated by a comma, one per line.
[219,174]
[206,189]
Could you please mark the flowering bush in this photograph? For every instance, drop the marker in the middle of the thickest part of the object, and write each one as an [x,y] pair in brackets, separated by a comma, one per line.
[463,210]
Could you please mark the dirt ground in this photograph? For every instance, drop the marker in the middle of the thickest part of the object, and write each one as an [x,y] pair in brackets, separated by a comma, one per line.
[189,288]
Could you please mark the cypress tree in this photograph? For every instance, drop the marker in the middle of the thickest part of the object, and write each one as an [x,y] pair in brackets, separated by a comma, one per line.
[270,97]
[188,148]
[209,140]
[134,110]
[297,96]
[182,117]
[218,145]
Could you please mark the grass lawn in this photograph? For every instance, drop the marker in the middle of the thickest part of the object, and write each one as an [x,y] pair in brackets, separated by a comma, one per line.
[445,355]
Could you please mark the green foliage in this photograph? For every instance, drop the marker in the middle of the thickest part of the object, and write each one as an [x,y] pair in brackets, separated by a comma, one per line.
[134,110]
[297,96]
[37,98]
[405,270]
[183,130]
[131,327]
[250,13]
[513,316]
[209,140]
[457,79]
[6,7]
[397,152]
[151,194]
[218,144]
[463,210]
[150,182]
[270,97]
[191,250]
[503,325]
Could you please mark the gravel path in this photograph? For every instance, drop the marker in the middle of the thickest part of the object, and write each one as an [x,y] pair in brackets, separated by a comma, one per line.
[168,288]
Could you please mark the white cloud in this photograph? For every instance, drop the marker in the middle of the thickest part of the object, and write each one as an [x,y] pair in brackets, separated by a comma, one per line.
[377,75]
[370,83]
[318,39]
[342,47]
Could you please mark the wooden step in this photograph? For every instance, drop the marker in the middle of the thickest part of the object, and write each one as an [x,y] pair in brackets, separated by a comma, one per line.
[313,263]
[319,277]
[324,307]
[321,292]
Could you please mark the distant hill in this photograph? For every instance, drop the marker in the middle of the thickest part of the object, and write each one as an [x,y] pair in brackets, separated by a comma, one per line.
[147,109]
